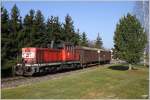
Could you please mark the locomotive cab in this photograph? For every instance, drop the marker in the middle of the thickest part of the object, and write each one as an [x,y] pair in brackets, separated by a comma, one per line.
[69,52]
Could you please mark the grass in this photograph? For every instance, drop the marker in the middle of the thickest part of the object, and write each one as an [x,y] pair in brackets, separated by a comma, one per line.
[98,83]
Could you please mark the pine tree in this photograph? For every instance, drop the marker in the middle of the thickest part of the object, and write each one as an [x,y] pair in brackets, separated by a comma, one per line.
[49,29]
[129,39]
[10,32]
[38,30]
[31,17]
[31,25]
[15,27]
[69,33]
[29,21]
[54,30]
[4,36]
[4,20]
[23,35]
[20,23]
[26,24]
[68,28]
[15,22]
[77,38]
[28,29]
[39,21]
[98,43]
[84,41]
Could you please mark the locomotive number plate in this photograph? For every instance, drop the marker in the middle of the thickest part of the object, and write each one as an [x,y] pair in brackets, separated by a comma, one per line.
[28,54]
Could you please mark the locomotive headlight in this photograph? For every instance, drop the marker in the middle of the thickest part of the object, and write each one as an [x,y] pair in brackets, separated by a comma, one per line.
[99,56]
[98,51]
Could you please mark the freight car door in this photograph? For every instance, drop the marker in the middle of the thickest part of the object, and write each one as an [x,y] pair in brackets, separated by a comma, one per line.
[82,56]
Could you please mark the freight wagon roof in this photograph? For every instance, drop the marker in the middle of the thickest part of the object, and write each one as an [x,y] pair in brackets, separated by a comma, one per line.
[88,48]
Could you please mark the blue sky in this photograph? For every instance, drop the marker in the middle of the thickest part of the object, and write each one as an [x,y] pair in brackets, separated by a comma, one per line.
[90,17]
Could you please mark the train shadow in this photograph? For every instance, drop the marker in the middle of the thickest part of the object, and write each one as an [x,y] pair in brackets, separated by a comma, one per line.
[118,67]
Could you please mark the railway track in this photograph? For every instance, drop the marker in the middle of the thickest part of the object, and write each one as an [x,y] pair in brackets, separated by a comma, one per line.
[20,80]
[12,79]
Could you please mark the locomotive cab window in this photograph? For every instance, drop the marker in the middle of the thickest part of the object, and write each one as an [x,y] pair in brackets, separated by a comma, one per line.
[60,45]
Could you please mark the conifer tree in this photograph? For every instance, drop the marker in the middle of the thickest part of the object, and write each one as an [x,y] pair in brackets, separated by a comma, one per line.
[4,21]
[4,36]
[54,30]
[84,41]
[68,28]
[26,24]
[38,29]
[27,34]
[15,22]
[69,33]
[129,39]
[77,38]
[10,32]
[98,43]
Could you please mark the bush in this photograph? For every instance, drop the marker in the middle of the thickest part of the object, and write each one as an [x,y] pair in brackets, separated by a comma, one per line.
[6,70]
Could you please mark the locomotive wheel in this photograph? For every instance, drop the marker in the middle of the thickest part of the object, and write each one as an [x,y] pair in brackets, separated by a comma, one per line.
[18,70]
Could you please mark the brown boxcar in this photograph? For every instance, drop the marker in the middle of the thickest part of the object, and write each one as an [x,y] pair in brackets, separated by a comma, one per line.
[91,55]
[105,56]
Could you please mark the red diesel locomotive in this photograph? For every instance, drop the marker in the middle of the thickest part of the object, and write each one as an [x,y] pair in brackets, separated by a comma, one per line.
[39,60]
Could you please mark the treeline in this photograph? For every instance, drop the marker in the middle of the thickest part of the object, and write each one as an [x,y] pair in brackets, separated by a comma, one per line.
[35,31]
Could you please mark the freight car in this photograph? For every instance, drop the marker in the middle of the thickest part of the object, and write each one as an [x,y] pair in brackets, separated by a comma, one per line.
[93,56]
[41,60]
